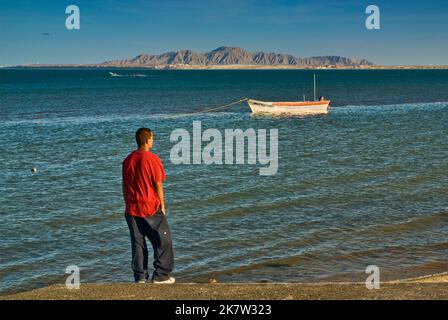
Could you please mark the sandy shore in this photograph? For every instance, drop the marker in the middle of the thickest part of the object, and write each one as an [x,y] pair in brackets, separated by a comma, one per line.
[434,287]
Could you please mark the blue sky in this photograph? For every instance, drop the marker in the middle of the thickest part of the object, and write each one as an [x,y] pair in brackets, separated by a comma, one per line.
[412,32]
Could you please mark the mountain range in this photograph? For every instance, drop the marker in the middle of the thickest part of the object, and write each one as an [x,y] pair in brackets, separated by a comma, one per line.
[231,56]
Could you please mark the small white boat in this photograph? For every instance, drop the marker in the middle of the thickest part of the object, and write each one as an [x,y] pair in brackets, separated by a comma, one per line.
[113,74]
[291,107]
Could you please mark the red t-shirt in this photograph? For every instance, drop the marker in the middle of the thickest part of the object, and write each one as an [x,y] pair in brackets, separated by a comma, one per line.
[141,170]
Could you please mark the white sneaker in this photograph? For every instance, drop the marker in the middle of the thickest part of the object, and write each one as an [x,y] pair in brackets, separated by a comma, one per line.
[141,281]
[167,281]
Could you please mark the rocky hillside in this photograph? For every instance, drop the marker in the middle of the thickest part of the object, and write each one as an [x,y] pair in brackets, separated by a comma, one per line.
[233,56]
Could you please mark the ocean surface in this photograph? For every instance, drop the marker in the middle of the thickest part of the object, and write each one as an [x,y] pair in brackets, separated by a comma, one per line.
[366,184]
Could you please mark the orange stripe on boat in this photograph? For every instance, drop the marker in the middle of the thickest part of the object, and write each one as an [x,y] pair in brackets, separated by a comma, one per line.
[300,103]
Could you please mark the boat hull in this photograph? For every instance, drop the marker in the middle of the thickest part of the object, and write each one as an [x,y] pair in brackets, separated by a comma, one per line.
[293,108]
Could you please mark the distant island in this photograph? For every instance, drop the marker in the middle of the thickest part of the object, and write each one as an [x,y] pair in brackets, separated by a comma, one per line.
[232,58]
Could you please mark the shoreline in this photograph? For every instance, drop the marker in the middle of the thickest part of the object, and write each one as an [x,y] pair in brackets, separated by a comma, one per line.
[224,67]
[427,287]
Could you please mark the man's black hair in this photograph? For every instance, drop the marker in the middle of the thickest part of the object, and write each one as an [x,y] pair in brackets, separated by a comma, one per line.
[142,135]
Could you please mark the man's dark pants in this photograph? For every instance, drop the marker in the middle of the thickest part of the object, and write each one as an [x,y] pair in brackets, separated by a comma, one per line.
[156,229]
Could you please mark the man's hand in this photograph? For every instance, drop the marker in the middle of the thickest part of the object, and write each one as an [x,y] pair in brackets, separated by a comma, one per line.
[159,190]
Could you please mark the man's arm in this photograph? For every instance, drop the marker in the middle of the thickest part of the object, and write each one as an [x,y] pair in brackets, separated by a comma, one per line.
[124,188]
[159,191]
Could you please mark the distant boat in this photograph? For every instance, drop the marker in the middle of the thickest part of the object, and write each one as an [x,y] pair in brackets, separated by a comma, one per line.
[113,74]
[291,107]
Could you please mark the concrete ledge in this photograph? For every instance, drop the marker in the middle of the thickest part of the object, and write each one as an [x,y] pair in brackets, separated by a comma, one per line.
[414,289]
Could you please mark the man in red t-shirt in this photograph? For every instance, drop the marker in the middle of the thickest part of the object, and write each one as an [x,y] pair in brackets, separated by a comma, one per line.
[143,175]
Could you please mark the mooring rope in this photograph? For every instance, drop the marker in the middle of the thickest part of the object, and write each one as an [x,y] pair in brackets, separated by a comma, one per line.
[210,109]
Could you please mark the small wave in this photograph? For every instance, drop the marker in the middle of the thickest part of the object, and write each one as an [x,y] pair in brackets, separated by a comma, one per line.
[111,118]
[57,222]
[197,115]
[30,283]
[410,225]
[316,263]
[389,107]
[425,277]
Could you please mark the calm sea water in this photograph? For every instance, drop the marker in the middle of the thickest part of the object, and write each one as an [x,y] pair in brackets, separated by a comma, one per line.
[366,184]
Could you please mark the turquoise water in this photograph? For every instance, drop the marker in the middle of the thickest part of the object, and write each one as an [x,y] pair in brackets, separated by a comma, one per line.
[366,184]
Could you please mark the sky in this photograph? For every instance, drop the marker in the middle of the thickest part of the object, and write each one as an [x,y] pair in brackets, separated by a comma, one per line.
[34,31]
